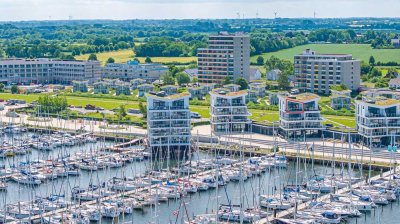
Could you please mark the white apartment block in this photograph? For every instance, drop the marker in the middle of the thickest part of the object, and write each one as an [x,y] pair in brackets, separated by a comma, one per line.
[226,55]
[378,116]
[42,71]
[229,114]
[168,123]
[317,72]
[299,114]
[133,70]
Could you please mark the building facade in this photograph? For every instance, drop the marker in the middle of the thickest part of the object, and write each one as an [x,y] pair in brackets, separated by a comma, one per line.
[229,114]
[43,71]
[317,72]
[227,55]
[378,117]
[299,114]
[168,123]
[340,99]
[134,70]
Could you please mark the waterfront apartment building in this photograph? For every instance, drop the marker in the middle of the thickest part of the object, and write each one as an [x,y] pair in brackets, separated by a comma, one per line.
[299,114]
[134,70]
[229,113]
[340,99]
[43,71]
[168,123]
[227,55]
[378,117]
[317,72]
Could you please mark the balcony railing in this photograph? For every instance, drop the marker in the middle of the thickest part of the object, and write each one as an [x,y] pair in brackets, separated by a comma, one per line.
[169,108]
[381,115]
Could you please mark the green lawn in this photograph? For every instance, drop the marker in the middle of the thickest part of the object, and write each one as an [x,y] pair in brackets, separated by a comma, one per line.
[359,51]
[77,101]
[340,120]
[122,56]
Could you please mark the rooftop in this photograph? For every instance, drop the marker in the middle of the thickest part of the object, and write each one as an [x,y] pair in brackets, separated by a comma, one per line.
[387,102]
[302,97]
[227,92]
[169,97]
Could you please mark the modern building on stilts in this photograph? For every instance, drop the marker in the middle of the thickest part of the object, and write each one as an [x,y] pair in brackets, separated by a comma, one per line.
[378,117]
[229,114]
[300,115]
[168,124]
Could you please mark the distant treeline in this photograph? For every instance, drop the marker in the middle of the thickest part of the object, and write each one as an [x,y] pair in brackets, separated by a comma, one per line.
[181,37]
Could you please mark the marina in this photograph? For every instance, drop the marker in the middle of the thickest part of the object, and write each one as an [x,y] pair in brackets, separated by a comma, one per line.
[83,178]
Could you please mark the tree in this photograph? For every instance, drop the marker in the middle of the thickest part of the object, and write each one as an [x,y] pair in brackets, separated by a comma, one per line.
[340,87]
[242,83]
[376,73]
[195,80]
[92,57]
[110,60]
[14,89]
[1,87]
[372,60]
[121,113]
[260,60]
[148,60]
[143,109]
[168,79]
[173,70]
[182,78]
[227,80]
[283,80]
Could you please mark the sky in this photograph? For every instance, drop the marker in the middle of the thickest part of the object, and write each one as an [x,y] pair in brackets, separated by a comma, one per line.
[17,10]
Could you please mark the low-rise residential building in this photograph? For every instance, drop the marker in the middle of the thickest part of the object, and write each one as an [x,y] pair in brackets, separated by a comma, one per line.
[123,88]
[192,73]
[259,88]
[273,75]
[251,96]
[80,86]
[145,88]
[340,99]
[136,82]
[134,70]
[169,89]
[44,71]
[232,87]
[273,98]
[378,117]
[300,114]
[168,123]
[395,42]
[255,73]
[100,88]
[196,92]
[394,83]
[207,87]
[229,113]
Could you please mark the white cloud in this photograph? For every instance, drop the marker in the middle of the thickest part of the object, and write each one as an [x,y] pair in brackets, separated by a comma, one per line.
[169,9]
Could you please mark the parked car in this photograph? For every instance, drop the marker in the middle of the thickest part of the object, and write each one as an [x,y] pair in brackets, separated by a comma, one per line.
[195,115]
[90,107]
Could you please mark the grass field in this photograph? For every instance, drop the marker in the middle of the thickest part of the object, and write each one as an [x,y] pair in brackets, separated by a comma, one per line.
[359,51]
[123,56]
[120,56]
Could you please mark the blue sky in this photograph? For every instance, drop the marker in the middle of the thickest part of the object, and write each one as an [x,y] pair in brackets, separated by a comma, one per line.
[13,10]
